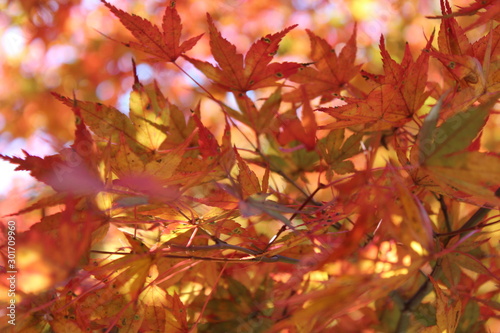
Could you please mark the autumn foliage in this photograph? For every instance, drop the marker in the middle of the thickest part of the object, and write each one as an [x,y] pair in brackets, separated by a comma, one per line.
[285,195]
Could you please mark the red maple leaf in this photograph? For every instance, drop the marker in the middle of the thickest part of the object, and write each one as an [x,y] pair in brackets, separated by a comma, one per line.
[207,143]
[491,12]
[401,92]
[254,71]
[164,46]
[452,38]
[332,71]
[294,129]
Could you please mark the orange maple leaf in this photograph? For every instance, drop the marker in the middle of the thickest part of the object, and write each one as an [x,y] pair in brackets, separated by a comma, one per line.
[207,143]
[452,38]
[332,71]
[491,12]
[294,129]
[254,71]
[401,92]
[164,46]
[471,69]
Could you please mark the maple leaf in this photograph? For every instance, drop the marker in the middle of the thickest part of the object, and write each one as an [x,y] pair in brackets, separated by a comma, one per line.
[103,306]
[152,308]
[473,76]
[73,170]
[107,122]
[255,71]
[382,109]
[463,67]
[335,151]
[487,47]
[219,197]
[178,128]
[333,72]
[454,135]
[261,120]
[451,37]
[206,141]
[183,213]
[417,226]
[491,11]
[336,296]
[129,273]
[410,77]
[293,129]
[153,123]
[470,175]
[246,178]
[251,200]
[176,316]
[40,257]
[458,56]
[164,46]
[400,93]
[268,112]
[148,112]
[253,307]
[151,179]
[448,311]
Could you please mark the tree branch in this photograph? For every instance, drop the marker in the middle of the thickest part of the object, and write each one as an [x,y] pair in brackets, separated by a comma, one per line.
[254,255]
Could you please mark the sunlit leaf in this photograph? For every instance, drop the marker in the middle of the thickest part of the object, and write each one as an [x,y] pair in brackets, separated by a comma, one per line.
[164,46]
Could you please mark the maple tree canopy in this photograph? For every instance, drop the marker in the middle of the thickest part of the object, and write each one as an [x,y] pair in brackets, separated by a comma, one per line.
[223,175]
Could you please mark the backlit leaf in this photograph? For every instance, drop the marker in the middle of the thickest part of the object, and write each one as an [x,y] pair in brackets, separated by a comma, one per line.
[332,72]
[234,73]
[163,46]
[147,107]
[448,311]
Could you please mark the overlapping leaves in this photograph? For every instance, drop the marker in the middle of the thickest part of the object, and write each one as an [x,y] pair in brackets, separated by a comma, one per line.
[235,73]
[197,224]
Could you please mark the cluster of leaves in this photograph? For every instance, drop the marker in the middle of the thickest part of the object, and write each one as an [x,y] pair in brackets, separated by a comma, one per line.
[303,227]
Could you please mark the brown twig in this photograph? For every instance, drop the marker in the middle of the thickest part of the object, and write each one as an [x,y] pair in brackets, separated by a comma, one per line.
[284,227]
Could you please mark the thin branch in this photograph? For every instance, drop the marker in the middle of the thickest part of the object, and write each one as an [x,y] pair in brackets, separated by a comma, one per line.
[217,246]
[254,255]
[411,304]
[444,209]
[453,233]
[474,220]
[284,227]
[275,258]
